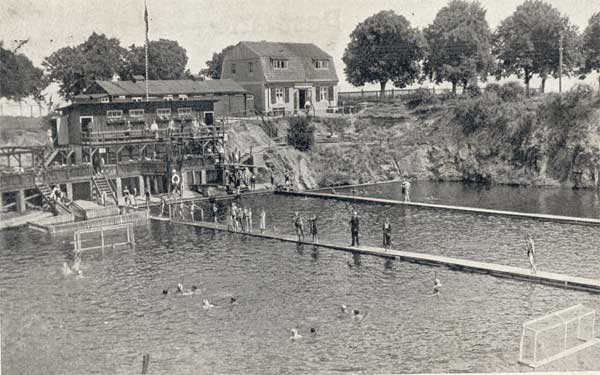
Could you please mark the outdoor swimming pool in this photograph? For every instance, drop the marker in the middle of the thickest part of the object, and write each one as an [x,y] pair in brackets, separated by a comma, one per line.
[104,322]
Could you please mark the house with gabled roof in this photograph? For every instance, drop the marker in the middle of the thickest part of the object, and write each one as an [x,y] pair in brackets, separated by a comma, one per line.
[284,77]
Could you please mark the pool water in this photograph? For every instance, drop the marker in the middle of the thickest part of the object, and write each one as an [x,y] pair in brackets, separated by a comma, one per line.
[105,321]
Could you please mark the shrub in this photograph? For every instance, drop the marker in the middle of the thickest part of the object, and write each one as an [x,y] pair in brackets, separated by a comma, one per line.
[508,92]
[420,97]
[301,133]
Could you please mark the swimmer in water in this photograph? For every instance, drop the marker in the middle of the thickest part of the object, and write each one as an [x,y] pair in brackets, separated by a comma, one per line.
[207,305]
[295,335]
[437,287]
[180,288]
[313,331]
[165,291]
[344,309]
[233,301]
[356,315]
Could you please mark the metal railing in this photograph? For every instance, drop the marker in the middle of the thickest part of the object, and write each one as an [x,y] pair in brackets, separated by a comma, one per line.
[128,136]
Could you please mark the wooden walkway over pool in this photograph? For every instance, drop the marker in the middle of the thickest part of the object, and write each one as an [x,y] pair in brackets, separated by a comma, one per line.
[472,210]
[541,277]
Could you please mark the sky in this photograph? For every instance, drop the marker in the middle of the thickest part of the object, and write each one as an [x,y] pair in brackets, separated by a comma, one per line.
[203,27]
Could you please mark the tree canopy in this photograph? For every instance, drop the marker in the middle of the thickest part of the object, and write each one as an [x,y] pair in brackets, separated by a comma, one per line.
[383,48]
[527,43]
[19,78]
[591,46]
[459,44]
[215,64]
[76,68]
[166,60]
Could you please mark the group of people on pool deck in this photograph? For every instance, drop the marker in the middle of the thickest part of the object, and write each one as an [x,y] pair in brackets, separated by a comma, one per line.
[239,219]
[387,235]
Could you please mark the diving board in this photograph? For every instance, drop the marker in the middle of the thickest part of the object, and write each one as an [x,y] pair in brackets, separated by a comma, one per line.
[473,210]
[511,272]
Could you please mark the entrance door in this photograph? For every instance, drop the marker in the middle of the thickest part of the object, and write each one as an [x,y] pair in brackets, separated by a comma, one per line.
[302,98]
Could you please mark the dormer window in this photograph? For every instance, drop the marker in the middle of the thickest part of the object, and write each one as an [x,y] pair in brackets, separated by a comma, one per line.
[279,64]
[183,97]
[321,64]
[104,100]
[168,98]
[136,99]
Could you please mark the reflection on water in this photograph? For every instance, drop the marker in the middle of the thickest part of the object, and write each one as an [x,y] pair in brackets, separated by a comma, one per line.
[104,321]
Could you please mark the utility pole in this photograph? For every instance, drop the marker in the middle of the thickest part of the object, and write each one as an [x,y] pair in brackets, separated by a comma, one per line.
[560,62]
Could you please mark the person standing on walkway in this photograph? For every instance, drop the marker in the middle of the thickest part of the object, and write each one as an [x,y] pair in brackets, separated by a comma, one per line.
[272,181]
[192,210]
[354,229]
[215,212]
[263,221]
[229,218]
[250,223]
[147,194]
[530,247]
[313,229]
[233,212]
[181,208]
[253,181]
[387,234]
[287,180]
[162,205]
[299,227]
[406,190]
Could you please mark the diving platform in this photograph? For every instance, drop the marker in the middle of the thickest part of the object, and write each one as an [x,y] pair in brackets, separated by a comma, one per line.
[471,210]
[455,264]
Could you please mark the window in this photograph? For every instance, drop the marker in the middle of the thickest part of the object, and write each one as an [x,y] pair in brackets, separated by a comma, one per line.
[279,94]
[136,99]
[114,114]
[183,97]
[232,68]
[163,112]
[250,67]
[168,98]
[104,100]
[137,113]
[86,123]
[209,118]
[323,93]
[279,64]
[322,64]
[184,112]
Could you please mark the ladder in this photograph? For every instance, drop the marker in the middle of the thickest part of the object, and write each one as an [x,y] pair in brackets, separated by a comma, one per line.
[103,187]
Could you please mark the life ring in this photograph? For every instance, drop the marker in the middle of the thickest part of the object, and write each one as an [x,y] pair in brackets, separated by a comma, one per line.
[175,179]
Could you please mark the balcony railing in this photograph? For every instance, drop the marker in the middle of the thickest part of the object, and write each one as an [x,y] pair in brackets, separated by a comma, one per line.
[141,136]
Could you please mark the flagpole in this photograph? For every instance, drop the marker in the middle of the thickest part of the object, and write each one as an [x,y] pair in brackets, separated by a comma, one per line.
[146,48]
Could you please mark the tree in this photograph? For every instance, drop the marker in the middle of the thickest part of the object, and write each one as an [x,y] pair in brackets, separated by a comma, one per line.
[166,60]
[527,43]
[76,68]
[591,47]
[383,48]
[459,44]
[215,64]
[19,78]
[301,133]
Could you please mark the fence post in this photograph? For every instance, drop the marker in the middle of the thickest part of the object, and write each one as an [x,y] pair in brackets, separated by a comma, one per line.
[392,93]
[362,93]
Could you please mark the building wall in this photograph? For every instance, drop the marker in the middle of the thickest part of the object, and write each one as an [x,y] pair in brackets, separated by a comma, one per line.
[290,100]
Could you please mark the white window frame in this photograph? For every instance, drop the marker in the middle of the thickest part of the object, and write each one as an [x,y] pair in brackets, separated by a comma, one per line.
[279,64]
[279,95]
[136,99]
[104,100]
[114,114]
[324,93]
[204,117]
[168,98]
[322,64]
[136,113]
[250,67]
[163,112]
[90,126]
[187,111]
[183,97]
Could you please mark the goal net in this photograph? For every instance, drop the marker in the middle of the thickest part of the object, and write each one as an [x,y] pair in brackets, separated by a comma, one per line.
[557,335]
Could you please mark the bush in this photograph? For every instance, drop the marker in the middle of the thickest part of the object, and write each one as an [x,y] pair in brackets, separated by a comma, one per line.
[485,111]
[420,97]
[301,133]
[508,92]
